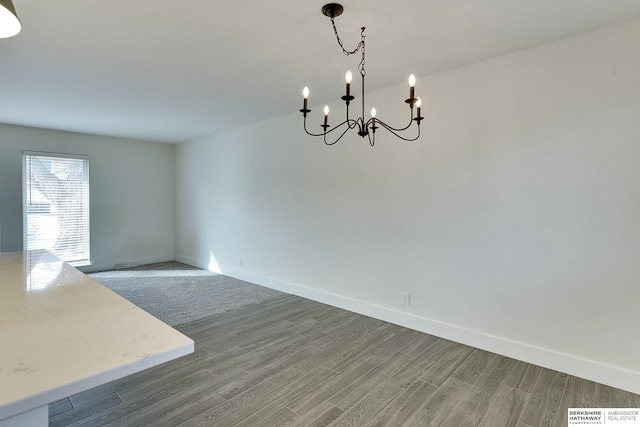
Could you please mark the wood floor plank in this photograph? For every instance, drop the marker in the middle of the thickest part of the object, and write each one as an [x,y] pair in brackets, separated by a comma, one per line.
[327,312]
[580,385]
[303,386]
[506,409]
[85,410]
[163,384]
[330,354]
[254,378]
[633,399]
[338,322]
[407,376]
[265,334]
[610,397]
[283,417]
[349,332]
[462,418]
[247,316]
[386,328]
[571,399]
[175,409]
[442,369]
[304,404]
[344,360]
[250,413]
[322,416]
[155,404]
[355,391]
[366,409]
[56,408]
[397,344]
[401,409]
[244,404]
[439,406]
[524,376]
[488,385]
[543,407]
[137,379]
[147,383]
[421,345]
[473,366]
[270,353]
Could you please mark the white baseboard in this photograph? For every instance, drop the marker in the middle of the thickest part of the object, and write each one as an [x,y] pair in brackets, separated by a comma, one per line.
[194,262]
[112,264]
[547,358]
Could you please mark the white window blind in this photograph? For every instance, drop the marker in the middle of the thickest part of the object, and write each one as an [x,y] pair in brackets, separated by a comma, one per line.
[56,205]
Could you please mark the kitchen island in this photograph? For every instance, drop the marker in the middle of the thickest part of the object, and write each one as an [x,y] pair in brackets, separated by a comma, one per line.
[62,333]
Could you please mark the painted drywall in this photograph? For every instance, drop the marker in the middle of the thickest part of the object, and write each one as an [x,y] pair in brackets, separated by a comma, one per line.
[132,193]
[514,222]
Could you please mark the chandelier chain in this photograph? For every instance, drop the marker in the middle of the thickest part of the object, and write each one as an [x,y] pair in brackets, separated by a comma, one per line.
[360,47]
[346,52]
[361,66]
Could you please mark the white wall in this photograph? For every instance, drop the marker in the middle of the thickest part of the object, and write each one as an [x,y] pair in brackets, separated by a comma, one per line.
[514,222]
[132,185]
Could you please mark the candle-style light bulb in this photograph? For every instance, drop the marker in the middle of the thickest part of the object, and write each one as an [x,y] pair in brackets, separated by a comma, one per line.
[305,94]
[348,77]
[373,119]
[326,110]
[412,83]
[326,117]
[418,104]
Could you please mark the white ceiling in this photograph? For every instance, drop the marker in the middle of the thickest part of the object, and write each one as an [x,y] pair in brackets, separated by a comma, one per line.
[173,71]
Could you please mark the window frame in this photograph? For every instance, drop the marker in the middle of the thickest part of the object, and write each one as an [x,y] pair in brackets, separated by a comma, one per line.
[85,240]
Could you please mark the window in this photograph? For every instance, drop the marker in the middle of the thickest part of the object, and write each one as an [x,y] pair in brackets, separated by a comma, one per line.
[55,205]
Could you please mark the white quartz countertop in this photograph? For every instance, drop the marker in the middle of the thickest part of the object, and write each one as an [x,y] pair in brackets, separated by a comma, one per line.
[62,333]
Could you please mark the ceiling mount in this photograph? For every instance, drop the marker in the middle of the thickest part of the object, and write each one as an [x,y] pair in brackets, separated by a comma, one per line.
[332,10]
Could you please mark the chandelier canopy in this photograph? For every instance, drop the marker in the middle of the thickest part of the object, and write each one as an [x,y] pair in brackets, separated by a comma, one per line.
[365,128]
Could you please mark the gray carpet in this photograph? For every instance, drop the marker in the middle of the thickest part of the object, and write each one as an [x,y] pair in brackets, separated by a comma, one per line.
[178,293]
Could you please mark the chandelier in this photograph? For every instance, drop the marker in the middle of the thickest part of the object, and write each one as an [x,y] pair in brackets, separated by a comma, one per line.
[365,128]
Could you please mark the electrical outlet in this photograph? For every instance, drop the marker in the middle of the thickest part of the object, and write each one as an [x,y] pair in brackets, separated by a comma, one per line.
[239,262]
[405,298]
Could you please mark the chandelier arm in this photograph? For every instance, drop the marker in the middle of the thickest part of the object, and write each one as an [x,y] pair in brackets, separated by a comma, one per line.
[395,131]
[389,127]
[372,140]
[310,133]
[351,124]
[340,137]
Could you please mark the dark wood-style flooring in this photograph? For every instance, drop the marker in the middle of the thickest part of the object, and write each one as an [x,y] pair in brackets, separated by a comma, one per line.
[295,362]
